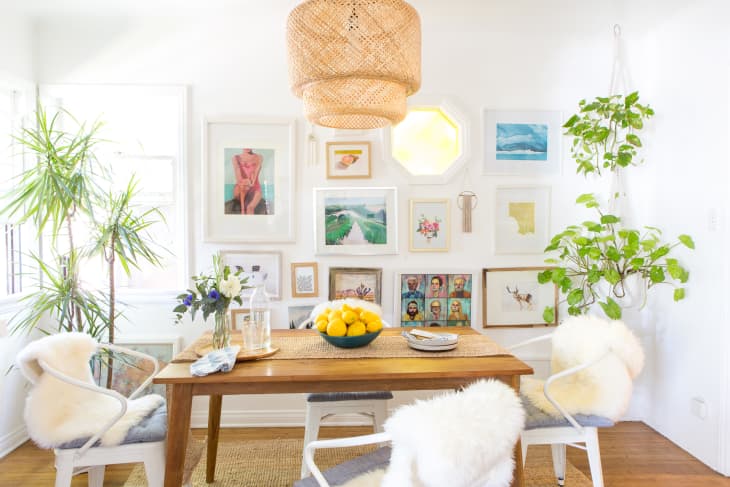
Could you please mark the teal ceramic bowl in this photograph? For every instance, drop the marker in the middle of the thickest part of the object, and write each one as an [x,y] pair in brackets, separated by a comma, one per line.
[351,342]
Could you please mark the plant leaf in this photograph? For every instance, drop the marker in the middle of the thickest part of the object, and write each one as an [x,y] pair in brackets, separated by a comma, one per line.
[679,294]
[548,314]
[611,308]
[687,241]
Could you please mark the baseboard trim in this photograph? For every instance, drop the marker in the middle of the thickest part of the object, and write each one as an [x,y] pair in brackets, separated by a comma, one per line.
[13,440]
[273,419]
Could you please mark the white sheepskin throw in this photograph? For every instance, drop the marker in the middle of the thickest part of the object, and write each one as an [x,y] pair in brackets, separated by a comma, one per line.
[603,389]
[57,412]
[460,439]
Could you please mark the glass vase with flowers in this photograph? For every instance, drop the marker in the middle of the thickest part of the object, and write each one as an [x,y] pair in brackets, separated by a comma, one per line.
[212,294]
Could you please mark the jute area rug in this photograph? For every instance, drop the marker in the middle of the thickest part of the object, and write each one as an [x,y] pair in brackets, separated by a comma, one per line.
[277,463]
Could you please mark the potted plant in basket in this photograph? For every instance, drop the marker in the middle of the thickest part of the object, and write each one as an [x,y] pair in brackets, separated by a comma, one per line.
[597,259]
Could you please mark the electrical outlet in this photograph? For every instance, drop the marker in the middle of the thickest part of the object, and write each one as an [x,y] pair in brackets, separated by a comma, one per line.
[698,407]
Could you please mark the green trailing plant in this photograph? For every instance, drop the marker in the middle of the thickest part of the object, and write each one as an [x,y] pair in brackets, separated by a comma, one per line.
[605,132]
[602,251]
[596,259]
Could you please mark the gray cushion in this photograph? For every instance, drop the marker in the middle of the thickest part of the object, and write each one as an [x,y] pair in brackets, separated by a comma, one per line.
[537,418]
[152,428]
[343,472]
[348,396]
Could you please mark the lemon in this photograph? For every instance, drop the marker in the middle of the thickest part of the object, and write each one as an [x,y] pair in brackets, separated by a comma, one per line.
[356,329]
[337,328]
[346,307]
[349,316]
[334,315]
[322,316]
[374,326]
[358,311]
[368,316]
[322,325]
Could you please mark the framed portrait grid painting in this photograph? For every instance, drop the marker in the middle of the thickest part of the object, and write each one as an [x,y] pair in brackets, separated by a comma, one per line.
[522,220]
[429,225]
[356,221]
[356,282]
[522,142]
[267,263]
[433,299]
[348,160]
[513,297]
[248,179]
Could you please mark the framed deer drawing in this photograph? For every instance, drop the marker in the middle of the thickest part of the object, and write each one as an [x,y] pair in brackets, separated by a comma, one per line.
[513,297]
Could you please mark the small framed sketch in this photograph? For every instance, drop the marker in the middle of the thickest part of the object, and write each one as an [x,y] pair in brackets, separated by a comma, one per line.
[513,297]
[268,263]
[298,315]
[304,280]
[355,282]
[238,317]
[348,160]
[355,221]
[522,142]
[434,298]
[522,220]
[429,225]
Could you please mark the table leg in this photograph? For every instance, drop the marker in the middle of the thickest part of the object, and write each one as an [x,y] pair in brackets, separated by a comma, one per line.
[214,427]
[178,426]
[518,479]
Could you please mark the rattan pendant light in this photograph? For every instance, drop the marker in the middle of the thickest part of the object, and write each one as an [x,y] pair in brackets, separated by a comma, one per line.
[354,62]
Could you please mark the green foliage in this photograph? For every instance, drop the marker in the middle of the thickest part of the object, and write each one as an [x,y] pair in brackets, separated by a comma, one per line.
[374,232]
[604,252]
[604,132]
[337,228]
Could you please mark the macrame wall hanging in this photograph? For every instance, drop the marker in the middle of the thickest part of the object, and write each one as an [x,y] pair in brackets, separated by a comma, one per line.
[467,202]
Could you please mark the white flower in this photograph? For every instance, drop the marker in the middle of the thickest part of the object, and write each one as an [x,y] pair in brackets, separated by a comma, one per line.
[231,287]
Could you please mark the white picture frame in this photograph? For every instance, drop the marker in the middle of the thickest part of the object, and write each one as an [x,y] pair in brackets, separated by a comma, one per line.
[522,219]
[269,263]
[372,213]
[514,297]
[429,225]
[522,142]
[264,150]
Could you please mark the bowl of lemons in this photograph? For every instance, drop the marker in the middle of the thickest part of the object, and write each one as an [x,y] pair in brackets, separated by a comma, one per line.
[348,326]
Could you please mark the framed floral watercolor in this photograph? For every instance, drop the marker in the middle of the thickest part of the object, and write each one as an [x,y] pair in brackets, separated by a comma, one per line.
[522,142]
[248,179]
[522,220]
[348,160]
[513,297]
[355,282]
[304,280]
[355,221]
[429,225]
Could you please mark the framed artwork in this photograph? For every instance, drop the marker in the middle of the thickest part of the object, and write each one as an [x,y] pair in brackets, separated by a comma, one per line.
[298,315]
[513,297]
[522,220]
[248,180]
[429,225]
[129,375]
[522,142]
[348,160]
[355,282]
[304,280]
[268,263]
[238,317]
[434,298]
[356,221]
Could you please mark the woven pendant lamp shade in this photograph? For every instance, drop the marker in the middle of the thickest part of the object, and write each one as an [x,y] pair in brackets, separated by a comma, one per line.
[354,62]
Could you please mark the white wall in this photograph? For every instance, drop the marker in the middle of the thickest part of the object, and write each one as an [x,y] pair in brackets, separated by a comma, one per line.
[482,54]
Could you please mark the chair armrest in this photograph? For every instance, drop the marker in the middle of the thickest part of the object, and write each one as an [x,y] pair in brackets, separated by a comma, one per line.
[563,374]
[91,387]
[530,341]
[338,443]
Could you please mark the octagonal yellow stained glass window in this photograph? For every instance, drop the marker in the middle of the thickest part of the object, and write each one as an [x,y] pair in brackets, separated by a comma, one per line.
[427,142]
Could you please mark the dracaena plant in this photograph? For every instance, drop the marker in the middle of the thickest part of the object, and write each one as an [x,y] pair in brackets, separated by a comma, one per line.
[596,258]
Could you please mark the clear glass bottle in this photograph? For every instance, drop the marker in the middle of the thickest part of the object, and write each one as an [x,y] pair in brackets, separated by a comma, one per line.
[260,307]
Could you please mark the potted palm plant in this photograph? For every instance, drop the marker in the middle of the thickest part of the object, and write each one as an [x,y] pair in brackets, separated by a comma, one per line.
[596,260]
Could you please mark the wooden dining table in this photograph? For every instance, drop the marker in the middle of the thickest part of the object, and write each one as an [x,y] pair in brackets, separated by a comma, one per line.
[265,376]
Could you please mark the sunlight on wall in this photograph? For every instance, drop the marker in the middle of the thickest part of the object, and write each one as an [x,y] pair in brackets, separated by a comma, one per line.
[427,142]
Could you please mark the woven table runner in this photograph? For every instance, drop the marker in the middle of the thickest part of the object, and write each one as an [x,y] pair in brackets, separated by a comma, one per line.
[309,346]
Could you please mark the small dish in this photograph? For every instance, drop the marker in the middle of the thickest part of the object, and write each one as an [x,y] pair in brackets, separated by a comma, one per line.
[431,348]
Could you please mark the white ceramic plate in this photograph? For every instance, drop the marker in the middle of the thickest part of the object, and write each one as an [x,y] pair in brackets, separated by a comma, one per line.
[431,348]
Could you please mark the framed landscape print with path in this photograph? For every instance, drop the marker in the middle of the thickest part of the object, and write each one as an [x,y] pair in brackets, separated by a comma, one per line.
[248,179]
[355,221]
[513,297]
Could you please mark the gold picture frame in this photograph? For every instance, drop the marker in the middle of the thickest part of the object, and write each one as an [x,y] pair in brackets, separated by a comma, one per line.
[304,280]
[511,296]
[429,225]
[348,160]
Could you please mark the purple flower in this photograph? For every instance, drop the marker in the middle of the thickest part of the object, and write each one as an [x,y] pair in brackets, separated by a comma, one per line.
[188,300]
[214,294]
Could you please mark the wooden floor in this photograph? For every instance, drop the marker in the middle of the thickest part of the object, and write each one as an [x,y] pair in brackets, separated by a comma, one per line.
[632,453]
